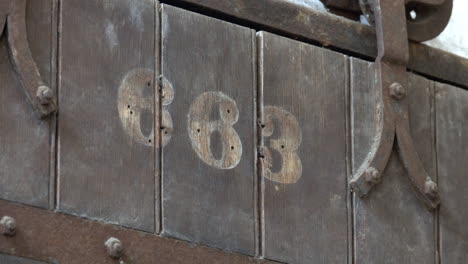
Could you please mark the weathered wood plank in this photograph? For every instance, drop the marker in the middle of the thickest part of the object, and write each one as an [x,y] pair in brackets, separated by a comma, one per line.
[25,140]
[209,166]
[296,20]
[7,259]
[305,193]
[107,157]
[391,225]
[452,153]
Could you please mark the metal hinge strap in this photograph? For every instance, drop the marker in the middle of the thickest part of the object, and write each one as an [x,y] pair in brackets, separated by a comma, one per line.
[392,81]
[39,95]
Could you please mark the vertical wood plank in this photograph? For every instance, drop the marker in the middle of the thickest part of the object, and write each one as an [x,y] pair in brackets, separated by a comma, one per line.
[305,193]
[7,259]
[452,153]
[107,162]
[25,140]
[391,224]
[208,166]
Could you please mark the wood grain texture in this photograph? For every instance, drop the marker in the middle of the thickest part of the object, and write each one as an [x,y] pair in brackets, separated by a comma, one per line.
[391,225]
[305,219]
[7,259]
[25,140]
[298,20]
[452,155]
[107,63]
[207,197]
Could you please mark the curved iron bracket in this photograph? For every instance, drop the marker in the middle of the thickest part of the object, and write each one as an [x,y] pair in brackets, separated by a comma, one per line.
[42,98]
[425,19]
[392,80]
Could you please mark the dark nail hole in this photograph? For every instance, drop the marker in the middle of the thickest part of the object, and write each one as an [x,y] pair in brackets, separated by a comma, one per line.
[128,106]
[232,147]
[198,130]
[282,146]
[131,112]
[149,141]
[229,111]
[148,83]
[165,132]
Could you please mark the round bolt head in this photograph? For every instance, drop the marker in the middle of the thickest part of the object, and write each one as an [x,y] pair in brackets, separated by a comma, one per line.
[45,95]
[8,226]
[397,91]
[114,247]
[372,175]
[431,188]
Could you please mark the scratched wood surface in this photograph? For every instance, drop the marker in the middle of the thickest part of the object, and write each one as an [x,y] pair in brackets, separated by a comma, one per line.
[8,259]
[391,224]
[304,183]
[452,153]
[107,163]
[25,140]
[208,166]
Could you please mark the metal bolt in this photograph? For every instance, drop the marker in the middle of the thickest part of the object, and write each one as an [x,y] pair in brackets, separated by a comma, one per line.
[372,175]
[8,226]
[397,91]
[114,247]
[431,188]
[45,95]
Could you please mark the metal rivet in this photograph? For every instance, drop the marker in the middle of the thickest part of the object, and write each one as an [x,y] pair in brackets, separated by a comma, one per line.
[397,91]
[8,226]
[114,247]
[430,188]
[45,95]
[372,175]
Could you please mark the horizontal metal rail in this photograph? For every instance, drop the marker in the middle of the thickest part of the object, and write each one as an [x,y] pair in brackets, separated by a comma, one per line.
[58,238]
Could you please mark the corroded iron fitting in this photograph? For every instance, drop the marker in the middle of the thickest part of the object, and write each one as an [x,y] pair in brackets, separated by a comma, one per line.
[397,91]
[372,176]
[114,247]
[8,226]
[45,95]
[431,188]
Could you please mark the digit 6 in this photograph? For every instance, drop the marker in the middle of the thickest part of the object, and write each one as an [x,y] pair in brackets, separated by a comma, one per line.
[200,128]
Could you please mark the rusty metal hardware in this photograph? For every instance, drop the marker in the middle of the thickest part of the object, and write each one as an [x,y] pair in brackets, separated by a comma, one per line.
[74,240]
[114,247]
[425,18]
[8,226]
[42,98]
[393,128]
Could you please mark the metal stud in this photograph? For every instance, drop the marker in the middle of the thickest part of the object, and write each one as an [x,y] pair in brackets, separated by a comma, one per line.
[397,91]
[372,176]
[431,188]
[114,247]
[45,95]
[8,226]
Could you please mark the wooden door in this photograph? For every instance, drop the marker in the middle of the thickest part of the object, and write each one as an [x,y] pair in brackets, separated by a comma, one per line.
[211,123]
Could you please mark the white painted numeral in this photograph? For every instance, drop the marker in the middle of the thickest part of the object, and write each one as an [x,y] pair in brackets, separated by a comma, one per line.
[200,129]
[286,141]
